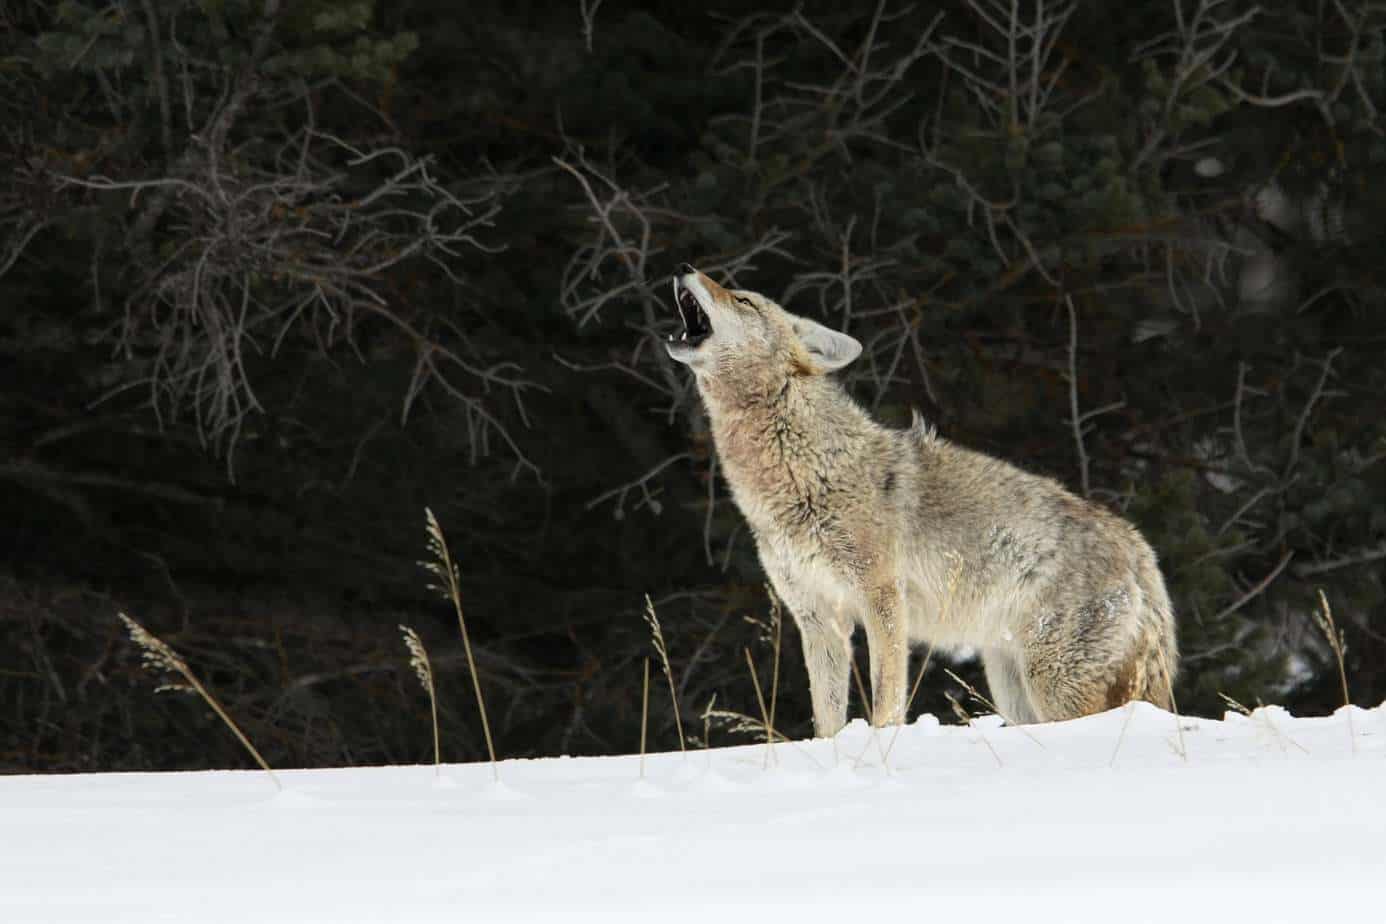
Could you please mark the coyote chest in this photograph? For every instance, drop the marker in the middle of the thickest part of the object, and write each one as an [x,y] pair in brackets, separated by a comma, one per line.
[801,491]
[806,550]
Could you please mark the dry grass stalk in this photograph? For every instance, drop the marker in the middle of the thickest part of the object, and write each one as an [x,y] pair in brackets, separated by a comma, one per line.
[1338,642]
[1130,710]
[644,715]
[707,728]
[445,568]
[875,732]
[1180,749]
[978,697]
[423,669]
[1235,706]
[707,722]
[923,666]
[764,713]
[1275,730]
[658,634]
[770,631]
[914,690]
[965,717]
[741,723]
[776,628]
[158,658]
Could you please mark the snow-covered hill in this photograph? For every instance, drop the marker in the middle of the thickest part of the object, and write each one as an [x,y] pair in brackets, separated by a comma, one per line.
[1262,818]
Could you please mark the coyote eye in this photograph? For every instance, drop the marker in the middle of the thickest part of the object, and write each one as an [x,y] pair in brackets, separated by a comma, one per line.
[743,300]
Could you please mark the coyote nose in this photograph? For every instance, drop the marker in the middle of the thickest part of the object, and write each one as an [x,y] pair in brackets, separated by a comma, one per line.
[686,268]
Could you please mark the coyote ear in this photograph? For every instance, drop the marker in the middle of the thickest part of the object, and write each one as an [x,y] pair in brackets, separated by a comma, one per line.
[830,349]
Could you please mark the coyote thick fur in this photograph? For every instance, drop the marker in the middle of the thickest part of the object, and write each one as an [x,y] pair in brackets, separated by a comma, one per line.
[913,538]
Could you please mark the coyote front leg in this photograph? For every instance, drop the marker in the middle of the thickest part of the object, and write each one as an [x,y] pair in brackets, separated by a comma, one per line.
[887,641]
[827,642]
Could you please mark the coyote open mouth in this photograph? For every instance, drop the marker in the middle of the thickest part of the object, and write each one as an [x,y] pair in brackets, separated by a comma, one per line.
[696,326]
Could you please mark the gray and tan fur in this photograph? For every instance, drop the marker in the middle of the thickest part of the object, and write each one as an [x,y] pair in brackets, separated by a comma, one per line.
[913,538]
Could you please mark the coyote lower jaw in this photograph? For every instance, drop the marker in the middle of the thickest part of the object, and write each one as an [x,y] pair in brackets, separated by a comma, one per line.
[696,325]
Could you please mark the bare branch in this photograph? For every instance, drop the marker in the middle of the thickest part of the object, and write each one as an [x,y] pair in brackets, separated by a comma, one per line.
[1078,421]
[1360,557]
[1259,587]
[648,498]
[587,9]
[1303,421]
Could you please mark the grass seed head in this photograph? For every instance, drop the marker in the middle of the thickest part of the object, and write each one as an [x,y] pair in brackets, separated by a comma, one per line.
[156,656]
[418,658]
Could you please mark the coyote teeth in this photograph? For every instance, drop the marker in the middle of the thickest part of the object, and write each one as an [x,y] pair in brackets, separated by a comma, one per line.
[696,325]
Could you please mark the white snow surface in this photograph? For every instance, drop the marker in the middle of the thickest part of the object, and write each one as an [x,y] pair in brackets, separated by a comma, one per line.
[1263,818]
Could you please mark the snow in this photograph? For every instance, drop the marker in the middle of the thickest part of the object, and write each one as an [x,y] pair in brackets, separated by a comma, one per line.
[1263,818]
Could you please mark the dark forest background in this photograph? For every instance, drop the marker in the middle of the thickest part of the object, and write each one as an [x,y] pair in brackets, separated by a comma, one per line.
[276,276]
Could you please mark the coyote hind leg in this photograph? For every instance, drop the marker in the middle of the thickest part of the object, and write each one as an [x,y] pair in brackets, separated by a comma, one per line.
[1006,679]
[1100,655]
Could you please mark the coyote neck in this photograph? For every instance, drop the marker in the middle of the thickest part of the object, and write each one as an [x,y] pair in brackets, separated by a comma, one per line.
[787,441]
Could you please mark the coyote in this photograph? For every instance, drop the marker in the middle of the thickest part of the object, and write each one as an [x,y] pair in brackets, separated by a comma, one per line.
[913,538]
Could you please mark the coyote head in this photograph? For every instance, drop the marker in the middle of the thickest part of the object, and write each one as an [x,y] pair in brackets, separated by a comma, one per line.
[726,330]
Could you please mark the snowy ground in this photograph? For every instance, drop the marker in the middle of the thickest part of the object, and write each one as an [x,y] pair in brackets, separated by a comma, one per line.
[1269,818]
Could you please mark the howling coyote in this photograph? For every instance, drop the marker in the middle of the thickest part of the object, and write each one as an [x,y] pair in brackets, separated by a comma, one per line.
[914,538]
